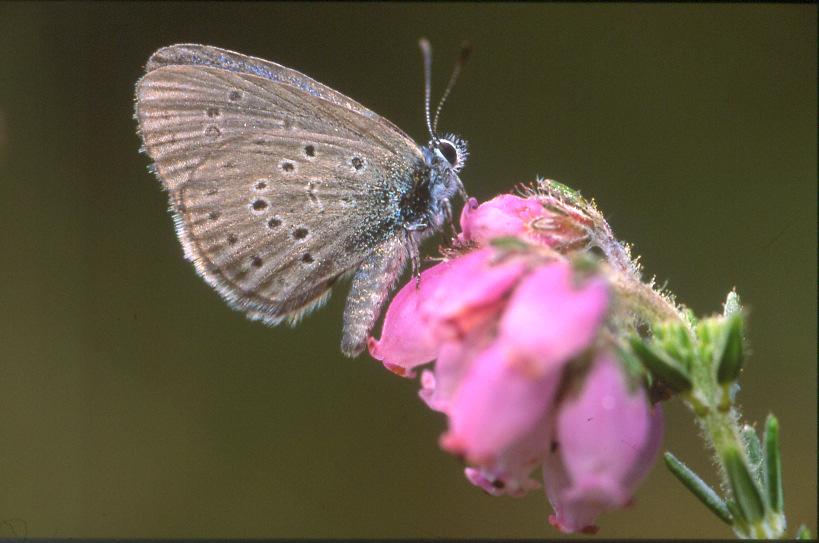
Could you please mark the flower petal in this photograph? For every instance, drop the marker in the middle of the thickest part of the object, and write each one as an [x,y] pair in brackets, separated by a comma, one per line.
[471,291]
[549,320]
[496,406]
[405,339]
[455,358]
[551,222]
[504,215]
[448,301]
[509,473]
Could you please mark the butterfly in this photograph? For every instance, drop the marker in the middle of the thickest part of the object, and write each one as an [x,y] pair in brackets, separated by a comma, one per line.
[280,186]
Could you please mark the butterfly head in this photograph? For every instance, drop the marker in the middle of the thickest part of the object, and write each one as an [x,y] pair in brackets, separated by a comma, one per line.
[445,156]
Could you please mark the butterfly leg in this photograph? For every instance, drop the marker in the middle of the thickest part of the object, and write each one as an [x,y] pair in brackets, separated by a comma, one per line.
[447,206]
[414,255]
[371,286]
[413,245]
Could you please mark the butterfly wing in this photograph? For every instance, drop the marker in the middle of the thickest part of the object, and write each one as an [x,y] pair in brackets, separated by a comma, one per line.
[276,189]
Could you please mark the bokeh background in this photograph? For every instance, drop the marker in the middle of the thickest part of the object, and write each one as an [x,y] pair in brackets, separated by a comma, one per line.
[134,403]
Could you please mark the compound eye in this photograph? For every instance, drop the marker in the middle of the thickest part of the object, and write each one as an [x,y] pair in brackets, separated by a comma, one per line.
[449,151]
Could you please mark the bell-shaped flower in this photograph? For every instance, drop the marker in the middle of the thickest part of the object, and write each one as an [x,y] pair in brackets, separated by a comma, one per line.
[607,436]
[510,326]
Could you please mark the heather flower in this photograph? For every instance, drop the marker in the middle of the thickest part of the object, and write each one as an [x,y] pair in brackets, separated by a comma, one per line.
[606,438]
[515,323]
[527,218]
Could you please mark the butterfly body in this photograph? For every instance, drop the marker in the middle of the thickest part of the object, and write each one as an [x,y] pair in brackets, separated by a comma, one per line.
[279,185]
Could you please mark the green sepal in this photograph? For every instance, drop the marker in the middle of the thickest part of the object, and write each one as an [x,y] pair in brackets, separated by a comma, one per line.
[728,352]
[745,490]
[585,263]
[638,376]
[661,365]
[690,317]
[674,339]
[698,487]
[509,243]
[565,190]
[773,464]
[753,449]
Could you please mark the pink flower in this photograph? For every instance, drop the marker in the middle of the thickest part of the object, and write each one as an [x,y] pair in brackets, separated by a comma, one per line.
[406,339]
[504,327]
[606,439]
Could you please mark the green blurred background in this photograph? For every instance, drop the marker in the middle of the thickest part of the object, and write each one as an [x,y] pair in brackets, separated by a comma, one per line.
[135,403]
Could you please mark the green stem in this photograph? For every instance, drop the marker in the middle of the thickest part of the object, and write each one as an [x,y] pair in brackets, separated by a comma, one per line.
[719,420]
[644,301]
[710,354]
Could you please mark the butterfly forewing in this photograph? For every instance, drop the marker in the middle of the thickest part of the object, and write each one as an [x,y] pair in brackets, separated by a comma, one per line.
[278,184]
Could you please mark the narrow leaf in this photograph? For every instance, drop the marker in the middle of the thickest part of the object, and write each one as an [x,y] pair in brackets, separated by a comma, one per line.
[698,487]
[744,488]
[773,464]
[753,450]
[739,522]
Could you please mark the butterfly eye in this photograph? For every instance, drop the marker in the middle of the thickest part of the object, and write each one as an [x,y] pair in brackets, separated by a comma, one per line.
[449,151]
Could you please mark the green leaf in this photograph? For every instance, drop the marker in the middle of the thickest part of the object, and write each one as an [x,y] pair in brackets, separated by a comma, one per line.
[773,464]
[661,365]
[753,449]
[745,490]
[740,527]
[698,487]
[728,354]
[803,533]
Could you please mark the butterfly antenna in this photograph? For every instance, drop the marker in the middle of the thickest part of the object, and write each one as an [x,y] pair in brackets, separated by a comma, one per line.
[466,50]
[426,52]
